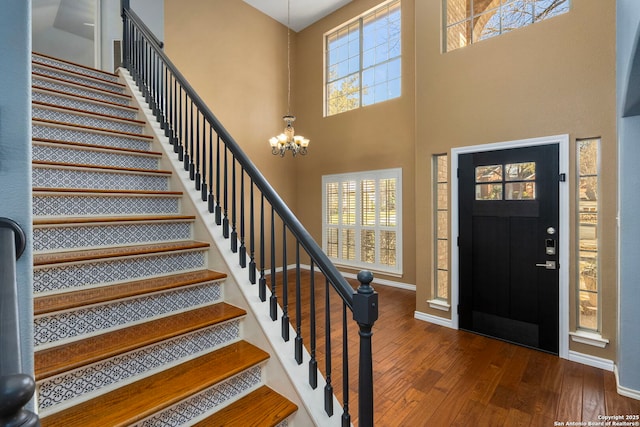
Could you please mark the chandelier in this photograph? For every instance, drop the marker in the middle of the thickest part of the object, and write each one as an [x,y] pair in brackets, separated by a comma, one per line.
[288,140]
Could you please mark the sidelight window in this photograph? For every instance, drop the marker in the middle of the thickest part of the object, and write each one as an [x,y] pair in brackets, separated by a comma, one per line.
[362,215]
[441,227]
[588,283]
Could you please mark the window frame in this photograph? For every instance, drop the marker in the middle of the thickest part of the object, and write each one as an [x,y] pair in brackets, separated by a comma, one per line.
[578,290]
[472,16]
[326,64]
[359,177]
[437,209]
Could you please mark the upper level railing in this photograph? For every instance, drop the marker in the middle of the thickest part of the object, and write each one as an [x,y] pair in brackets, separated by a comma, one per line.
[16,388]
[259,225]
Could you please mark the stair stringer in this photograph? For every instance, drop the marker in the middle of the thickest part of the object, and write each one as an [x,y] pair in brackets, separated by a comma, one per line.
[282,373]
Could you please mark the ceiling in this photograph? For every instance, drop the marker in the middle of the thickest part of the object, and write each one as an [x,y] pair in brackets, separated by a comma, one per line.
[302,12]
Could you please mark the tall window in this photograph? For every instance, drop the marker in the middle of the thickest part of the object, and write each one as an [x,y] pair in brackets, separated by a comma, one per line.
[470,21]
[362,219]
[441,226]
[588,292]
[362,60]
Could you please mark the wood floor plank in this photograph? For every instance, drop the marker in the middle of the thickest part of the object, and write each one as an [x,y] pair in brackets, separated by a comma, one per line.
[139,400]
[512,383]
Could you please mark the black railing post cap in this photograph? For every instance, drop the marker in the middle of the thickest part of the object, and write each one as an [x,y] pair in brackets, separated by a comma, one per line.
[365,277]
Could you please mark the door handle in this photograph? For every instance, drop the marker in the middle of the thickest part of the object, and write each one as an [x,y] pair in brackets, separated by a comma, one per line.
[549,265]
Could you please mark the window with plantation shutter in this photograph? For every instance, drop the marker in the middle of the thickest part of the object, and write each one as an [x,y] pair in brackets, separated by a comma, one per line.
[361,226]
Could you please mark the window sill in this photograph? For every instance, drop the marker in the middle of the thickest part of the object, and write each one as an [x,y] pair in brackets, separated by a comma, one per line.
[589,338]
[439,304]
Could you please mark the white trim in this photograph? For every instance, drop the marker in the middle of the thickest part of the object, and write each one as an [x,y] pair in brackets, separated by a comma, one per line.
[358,177]
[439,304]
[589,338]
[376,281]
[563,237]
[434,319]
[587,359]
[625,391]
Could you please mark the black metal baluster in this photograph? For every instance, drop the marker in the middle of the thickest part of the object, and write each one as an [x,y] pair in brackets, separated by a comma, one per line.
[179,147]
[234,203]
[225,200]
[273,301]
[252,237]
[313,363]
[243,250]
[262,283]
[198,144]
[188,162]
[203,161]
[211,201]
[285,287]
[168,129]
[298,340]
[346,417]
[218,209]
[174,127]
[328,388]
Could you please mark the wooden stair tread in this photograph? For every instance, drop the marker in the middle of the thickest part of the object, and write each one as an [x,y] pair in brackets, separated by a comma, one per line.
[260,408]
[53,361]
[68,300]
[98,219]
[87,113]
[139,400]
[119,251]
[93,129]
[86,86]
[97,147]
[78,74]
[76,166]
[84,98]
[94,191]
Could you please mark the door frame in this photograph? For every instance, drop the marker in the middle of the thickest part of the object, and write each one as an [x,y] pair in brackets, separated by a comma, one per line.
[563,235]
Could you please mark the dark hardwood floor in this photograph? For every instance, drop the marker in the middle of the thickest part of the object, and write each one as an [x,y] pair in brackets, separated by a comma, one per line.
[429,375]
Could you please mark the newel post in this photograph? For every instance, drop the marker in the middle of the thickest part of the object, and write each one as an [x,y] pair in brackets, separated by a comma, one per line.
[124,6]
[365,313]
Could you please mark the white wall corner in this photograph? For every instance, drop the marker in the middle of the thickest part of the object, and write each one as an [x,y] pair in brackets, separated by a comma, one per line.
[625,391]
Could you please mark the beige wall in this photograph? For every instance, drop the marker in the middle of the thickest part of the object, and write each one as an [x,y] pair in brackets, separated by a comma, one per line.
[554,77]
[235,57]
[379,136]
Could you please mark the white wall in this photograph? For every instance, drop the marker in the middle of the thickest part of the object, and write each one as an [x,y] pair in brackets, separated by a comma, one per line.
[15,150]
[150,11]
[628,21]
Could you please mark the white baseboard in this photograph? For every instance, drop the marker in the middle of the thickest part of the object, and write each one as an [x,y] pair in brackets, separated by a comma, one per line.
[433,319]
[596,362]
[624,391]
[376,281]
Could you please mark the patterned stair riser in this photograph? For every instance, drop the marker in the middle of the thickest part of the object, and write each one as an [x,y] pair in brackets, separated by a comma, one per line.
[84,120]
[79,104]
[95,236]
[70,277]
[66,154]
[61,205]
[91,380]
[88,137]
[207,401]
[63,327]
[41,82]
[85,81]
[81,70]
[97,180]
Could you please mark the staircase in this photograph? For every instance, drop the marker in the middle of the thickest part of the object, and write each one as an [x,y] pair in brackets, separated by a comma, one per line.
[131,327]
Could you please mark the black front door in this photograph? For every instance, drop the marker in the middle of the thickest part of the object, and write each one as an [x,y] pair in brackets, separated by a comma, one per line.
[508,245]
